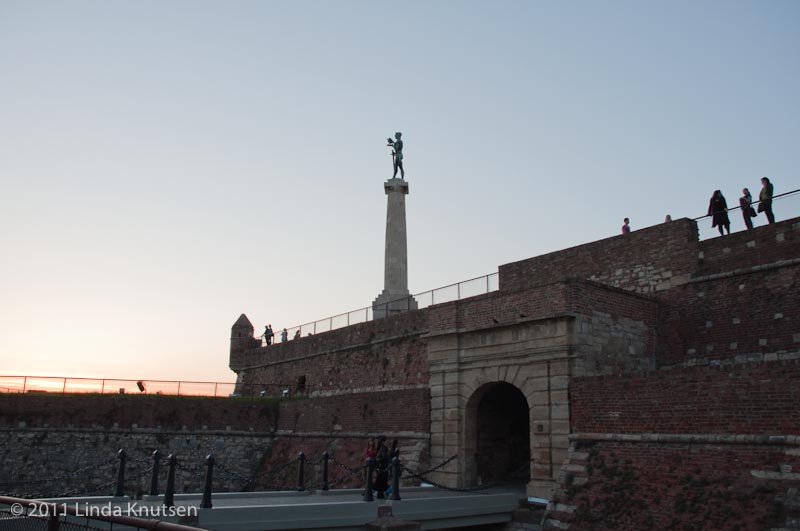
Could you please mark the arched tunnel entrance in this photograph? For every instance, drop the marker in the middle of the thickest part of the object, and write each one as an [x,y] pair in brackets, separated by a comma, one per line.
[502,434]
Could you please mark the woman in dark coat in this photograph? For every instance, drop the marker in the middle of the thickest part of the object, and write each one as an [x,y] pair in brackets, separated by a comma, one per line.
[718,210]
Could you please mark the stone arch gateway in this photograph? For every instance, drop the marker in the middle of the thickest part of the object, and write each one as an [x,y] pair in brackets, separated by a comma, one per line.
[520,366]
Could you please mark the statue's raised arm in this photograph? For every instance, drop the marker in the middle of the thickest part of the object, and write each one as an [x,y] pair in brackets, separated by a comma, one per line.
[397,154]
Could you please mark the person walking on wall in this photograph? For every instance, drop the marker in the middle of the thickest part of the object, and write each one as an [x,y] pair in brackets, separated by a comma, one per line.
[626,226]
[745,203]
[718,210]
[284,336]
[268,334]
[765,197]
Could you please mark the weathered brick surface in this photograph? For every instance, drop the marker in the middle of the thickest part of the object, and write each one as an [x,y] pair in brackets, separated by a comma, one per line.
[399,411]
[143,411]
[747,316]
[635,486]
[364,356]
[52,462]
[49,437]
[640,261]
[759,399]
[764,245]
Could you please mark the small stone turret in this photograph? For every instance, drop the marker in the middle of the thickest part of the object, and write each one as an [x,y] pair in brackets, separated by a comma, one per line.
[242,335]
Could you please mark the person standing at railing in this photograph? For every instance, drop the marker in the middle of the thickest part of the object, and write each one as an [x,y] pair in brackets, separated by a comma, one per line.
[268,334]
[297,334]
[765,197]
[745,203]
[718,210]
[284,336]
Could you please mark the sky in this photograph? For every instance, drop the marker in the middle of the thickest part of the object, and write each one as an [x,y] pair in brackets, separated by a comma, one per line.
[166,166]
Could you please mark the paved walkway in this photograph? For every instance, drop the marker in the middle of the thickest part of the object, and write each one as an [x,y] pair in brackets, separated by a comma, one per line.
[342,509]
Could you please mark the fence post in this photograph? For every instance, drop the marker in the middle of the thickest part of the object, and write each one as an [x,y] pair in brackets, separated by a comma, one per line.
[325,457]
[120,491]
[154,478]
[205,503]
[395,478]
[369,467]
[169,495]
[301,472]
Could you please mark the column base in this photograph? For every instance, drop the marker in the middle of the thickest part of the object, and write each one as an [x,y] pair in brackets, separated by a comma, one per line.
[390,303]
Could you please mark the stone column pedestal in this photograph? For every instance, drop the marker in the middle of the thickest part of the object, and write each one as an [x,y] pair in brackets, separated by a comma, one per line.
[395,297]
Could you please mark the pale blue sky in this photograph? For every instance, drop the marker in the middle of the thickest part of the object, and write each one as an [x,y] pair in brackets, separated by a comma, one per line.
[168,165]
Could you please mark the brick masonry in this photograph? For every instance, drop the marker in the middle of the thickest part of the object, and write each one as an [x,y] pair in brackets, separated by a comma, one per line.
[630,486]
[756,398]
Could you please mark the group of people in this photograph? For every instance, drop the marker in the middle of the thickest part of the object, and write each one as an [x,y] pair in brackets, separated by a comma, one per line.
[382,455]
[269,335]
[718,207]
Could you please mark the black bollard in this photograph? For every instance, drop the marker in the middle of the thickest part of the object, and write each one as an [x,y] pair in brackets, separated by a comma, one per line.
[301,469]
[169,495]
[395,478]
[121,474]
[154,477]
[325,457]
[369,467]
[205,503]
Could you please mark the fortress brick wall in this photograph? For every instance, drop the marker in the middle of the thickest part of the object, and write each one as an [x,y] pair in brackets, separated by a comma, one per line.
[644,261]
[674,485]
[751,315]
[365,356]
[759,398]
[45,439]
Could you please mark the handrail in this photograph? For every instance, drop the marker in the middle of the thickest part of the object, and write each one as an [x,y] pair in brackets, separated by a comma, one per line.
[779,196]
[56,509]
[459,290]
[71,385]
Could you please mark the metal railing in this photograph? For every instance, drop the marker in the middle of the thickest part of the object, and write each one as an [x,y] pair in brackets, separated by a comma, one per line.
[784,195]
[459,290]
[70,385]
